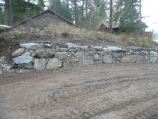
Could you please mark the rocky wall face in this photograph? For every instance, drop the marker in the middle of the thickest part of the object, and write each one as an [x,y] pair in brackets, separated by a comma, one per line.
[52,55]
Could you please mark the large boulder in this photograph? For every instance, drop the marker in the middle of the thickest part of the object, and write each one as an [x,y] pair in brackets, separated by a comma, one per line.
[80,54]
[23,59]
[54,63]
[88,60]
[97,57]
[107,59]
[153,57]
[18,52]
[31,46]
[62,55]
[117,57]
[142,59]
[129,59]
[44,53]
[71,62]
[40,64]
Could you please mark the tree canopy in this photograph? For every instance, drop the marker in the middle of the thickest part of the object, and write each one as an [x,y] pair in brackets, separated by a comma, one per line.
[86,13]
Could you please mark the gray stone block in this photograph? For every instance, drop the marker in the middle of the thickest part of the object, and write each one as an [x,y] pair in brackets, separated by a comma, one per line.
[40,64]
[31,46]
[107,59]
[23,59]
[54,63]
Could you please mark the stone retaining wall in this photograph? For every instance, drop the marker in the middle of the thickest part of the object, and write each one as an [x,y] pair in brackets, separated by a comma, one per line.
[50,55]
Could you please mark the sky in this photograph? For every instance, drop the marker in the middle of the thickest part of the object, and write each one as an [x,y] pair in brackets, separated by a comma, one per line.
[150,12]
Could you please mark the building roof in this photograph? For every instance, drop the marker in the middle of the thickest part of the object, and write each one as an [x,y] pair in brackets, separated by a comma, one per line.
[4,27]
[47,11]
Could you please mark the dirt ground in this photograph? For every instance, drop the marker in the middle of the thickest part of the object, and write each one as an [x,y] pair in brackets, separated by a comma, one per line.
[118,91]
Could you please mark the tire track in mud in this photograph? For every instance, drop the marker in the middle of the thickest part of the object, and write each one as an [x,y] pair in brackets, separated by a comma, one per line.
[88,93]
[118,107]
[91,86]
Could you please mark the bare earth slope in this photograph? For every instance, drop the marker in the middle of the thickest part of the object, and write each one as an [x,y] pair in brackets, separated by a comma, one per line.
[122,91]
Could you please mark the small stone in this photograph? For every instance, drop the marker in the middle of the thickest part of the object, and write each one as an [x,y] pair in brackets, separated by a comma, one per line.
[63,49]
[1,72]
[72,49]
[2,59]
[6,67]
[71,45]
[23,70]
[54,63]
[18,52]
[98,48]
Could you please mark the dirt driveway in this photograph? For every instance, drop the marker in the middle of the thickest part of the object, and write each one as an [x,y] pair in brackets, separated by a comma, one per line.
[121,91]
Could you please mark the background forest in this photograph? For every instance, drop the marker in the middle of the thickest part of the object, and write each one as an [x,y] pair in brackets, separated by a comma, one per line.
[85,13]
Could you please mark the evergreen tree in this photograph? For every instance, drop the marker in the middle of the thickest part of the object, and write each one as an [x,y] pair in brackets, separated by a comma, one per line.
[1,16]
[128,15]
[23,9]
[60,8]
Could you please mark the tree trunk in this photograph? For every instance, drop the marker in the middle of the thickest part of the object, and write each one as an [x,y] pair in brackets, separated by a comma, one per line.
[75,5]
[111,12]
[8,12]
[140,9]
[67,4]
[86,7]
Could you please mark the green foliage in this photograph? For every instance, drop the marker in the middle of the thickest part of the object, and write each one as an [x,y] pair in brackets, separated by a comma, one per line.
[128,16]
[87,13]
[23,9]
[60,8]
[1,16]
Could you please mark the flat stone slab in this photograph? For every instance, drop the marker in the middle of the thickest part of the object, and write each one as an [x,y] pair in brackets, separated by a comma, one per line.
[31,46]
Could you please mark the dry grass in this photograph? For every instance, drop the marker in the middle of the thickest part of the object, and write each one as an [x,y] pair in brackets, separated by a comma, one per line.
[130,40]
[81,33]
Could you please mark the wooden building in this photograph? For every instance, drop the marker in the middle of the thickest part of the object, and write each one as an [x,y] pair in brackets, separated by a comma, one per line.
[45,19]
[104,26]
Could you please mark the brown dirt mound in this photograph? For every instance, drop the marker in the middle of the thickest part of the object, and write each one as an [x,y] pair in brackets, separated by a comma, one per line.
[7,47]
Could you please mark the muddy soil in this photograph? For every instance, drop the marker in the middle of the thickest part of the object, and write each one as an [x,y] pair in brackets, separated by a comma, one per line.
[118,91]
